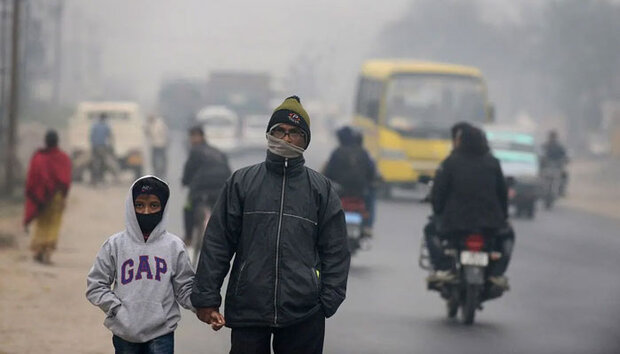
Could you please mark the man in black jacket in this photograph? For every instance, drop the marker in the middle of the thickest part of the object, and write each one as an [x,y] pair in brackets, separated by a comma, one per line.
[350,165]
[284,224]
[205,172]
[470,193]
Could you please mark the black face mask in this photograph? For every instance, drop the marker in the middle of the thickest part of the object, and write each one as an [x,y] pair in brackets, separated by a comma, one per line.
[148,222]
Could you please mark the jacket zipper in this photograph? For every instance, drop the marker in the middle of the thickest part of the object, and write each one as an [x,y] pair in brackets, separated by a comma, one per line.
[275,293]
[239,278]
[315,277]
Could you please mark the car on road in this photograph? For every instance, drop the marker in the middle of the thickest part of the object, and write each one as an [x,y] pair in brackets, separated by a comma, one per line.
[221,126]
[518,156]
[253,130]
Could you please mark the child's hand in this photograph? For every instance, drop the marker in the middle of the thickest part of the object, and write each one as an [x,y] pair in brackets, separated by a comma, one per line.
[212,316]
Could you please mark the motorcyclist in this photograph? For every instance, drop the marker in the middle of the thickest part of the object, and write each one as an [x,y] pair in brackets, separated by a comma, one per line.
[554,156]
[371,192]
[469,193]
[205,172]
[102,142]
[353,171]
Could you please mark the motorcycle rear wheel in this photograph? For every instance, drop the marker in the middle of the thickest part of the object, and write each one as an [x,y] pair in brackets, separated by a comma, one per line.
[468,310]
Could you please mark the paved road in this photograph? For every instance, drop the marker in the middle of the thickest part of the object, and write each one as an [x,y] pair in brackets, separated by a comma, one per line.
[564,298]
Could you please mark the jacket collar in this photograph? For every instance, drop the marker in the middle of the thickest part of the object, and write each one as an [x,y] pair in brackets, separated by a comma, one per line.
[275,163]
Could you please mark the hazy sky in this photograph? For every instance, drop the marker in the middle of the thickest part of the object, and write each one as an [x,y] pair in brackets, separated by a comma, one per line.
[144,41]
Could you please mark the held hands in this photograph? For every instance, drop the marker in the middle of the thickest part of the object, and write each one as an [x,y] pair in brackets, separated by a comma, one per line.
[212,316]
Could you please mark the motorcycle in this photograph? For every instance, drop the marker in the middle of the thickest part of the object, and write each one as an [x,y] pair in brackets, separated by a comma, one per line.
[354,213]
[471,255]
[552,177]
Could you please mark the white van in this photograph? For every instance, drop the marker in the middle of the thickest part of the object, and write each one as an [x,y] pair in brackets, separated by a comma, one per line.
[253,130]
[221,127]
[128,141]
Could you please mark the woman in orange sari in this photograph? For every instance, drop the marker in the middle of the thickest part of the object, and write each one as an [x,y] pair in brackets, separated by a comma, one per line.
[47,185]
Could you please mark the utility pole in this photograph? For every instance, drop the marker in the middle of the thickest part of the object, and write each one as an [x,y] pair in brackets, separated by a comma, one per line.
[11,150]
[56,77]
[3,70]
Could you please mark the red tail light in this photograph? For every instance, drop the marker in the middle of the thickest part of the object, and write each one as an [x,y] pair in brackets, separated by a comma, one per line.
[474,242]
[512,193]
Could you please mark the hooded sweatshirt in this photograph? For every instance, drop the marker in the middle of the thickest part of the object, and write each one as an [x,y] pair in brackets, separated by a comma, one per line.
[138,283]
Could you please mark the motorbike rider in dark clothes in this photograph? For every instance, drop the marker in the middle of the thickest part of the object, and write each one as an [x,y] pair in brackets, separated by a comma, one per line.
[554,155]
[469,193]
[353,170]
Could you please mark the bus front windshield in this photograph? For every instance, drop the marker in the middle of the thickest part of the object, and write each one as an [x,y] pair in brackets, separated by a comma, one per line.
[415,103]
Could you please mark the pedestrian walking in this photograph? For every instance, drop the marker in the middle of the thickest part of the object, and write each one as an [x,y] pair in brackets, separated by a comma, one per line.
[285,227]
[47,186]
[204,173]
[157,133]
[142,274]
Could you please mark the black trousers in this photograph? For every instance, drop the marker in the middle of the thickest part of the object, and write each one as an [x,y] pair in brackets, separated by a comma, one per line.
[302,338]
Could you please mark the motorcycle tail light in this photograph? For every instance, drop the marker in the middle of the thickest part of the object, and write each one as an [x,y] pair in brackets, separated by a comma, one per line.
[512,193]
[474,242]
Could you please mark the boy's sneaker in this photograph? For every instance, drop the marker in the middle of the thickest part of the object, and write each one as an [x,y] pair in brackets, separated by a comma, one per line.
[500,281]
[440,276]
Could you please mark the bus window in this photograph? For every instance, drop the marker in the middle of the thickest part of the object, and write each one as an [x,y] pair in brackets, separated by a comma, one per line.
[111,115]
[433,100]
[368,98]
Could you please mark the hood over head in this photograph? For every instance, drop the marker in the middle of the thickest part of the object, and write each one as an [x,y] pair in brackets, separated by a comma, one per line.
[151,185]
[347,136]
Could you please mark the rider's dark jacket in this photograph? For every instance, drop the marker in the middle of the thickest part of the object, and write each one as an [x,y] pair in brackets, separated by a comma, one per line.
[469,192]
[206,170]
[284,224]
[554,151]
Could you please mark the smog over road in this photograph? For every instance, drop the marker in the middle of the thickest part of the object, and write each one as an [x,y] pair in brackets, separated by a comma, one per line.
[472,150]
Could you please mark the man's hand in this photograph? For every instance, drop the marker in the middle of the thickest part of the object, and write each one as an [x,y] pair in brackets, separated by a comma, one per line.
[212,316]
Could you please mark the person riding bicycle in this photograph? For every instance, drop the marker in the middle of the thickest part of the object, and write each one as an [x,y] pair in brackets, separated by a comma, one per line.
[205,173]
[102,146]
[352,169]
[554,156]
[469,193]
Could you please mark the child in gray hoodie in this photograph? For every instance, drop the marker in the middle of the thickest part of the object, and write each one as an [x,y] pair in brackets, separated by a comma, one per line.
[141,273]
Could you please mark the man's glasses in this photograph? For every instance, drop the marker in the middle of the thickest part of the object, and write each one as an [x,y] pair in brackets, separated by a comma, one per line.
[294,133]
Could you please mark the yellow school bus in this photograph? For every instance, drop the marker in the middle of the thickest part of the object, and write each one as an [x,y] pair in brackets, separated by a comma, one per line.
[405,109]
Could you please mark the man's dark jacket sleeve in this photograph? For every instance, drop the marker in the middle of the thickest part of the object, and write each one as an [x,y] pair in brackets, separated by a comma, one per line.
[333,253]
[190,168]
[502,190]
[218,247]
[441,187]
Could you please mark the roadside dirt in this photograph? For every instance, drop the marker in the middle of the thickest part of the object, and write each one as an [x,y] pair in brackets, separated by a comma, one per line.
[594,187]
[43,308]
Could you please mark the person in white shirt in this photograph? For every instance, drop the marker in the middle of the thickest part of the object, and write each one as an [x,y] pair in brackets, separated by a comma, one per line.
[157,133]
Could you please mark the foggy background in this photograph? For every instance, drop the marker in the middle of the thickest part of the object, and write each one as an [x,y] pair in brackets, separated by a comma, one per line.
[549,64]
[555,62]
